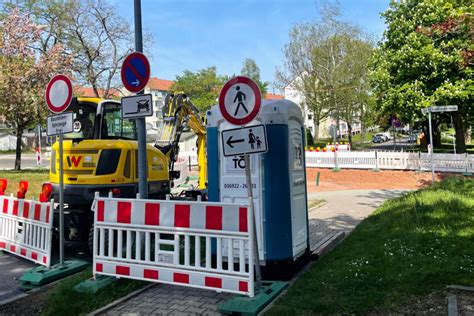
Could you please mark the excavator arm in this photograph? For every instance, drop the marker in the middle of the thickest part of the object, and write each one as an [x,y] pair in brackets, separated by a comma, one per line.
[178,113]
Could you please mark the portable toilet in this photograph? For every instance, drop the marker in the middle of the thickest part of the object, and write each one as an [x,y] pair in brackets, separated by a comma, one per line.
[278,181]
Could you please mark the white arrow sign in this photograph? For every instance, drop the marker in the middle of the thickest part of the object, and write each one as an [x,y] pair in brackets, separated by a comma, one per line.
[245,140]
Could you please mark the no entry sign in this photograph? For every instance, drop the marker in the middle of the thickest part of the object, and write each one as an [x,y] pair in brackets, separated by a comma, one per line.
[240,100]
[135,72]
[58,93]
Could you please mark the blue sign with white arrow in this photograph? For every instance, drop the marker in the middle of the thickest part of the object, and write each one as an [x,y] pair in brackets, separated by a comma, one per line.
[135,72]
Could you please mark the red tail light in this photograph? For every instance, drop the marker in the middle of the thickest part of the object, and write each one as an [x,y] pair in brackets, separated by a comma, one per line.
[3,186]
[22,189]
[46,191]
[116,191]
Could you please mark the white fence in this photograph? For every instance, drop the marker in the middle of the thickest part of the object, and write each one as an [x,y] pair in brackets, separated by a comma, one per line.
[391,160]
[196,244]
[26,228]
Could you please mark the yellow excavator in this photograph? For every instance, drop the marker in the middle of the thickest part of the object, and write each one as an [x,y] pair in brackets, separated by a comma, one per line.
[101,155]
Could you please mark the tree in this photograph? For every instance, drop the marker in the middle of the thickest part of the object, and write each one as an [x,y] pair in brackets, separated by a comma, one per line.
[94,35]
[425,59]
[202,87]
[25,74]
[318,62]
[251,70]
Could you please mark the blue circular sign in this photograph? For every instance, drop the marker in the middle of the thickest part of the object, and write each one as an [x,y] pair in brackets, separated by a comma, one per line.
[135,72]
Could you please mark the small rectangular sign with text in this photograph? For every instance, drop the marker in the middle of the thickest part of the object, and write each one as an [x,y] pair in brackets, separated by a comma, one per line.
[60,124]
[245,140]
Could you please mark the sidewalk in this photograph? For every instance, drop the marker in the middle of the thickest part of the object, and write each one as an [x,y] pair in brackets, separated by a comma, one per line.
[341,212]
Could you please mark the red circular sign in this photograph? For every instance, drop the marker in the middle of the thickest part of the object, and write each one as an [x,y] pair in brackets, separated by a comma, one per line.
[135,72]
[58,93]
[240,100]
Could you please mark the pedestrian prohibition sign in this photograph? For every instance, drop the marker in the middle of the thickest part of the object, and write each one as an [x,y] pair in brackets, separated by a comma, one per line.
[240,100]
[135,72]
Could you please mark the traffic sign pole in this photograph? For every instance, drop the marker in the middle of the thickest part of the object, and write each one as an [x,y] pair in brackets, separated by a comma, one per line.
[58,97]
[258,274]
[61,202]
[432,148]
[141,128]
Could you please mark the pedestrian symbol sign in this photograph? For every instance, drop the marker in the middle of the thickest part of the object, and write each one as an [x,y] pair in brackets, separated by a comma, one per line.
[240,100]
[245,140]
[135,72]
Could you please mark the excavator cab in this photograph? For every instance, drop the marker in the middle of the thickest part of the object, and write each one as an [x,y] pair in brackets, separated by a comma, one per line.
[100,119]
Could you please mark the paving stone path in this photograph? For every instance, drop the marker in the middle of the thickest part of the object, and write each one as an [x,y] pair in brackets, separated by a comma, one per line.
[341,211]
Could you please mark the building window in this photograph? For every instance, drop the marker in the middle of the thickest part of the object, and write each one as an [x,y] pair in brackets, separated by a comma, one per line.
[310,117]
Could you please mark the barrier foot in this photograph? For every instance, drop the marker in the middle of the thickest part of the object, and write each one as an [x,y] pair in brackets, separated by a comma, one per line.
[336,169]
[376,170]
[467,174]
[93,286]
[39,276]
[253,305]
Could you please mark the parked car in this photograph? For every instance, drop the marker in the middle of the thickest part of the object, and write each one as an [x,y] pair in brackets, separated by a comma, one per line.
[412,138]
[384,137]
[377,139]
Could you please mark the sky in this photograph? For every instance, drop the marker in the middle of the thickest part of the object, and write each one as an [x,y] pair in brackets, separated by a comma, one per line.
[196,34]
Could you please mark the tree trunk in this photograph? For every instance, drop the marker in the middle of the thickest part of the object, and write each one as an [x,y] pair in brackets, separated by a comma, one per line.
[349,134]
[19,133]
[459,128]
[316,130]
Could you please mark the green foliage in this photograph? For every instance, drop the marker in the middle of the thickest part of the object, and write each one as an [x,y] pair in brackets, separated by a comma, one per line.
[35,179]
[410,246]
[65,301]
[202,87]
[309,138]
[326,62]
[251,70]
[425,58]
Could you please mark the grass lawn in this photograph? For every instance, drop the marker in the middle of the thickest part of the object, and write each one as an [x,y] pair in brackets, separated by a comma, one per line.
[410,246]
[64,301]
[35,179]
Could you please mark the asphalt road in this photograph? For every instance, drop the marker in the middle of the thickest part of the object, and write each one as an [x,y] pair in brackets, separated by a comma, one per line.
[397,144]
[12,267]
[28,161]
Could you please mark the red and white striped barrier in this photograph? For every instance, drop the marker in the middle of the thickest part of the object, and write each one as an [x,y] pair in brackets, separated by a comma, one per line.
[173,241]
[26,228]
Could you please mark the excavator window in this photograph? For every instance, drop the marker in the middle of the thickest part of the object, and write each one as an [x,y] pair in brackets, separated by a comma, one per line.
[83,127]
[114,127]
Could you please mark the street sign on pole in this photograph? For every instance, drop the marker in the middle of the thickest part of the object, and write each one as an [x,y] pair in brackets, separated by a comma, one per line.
[429,110]
[58,96]
[239,103]
[60,124]
[135,72]
[58,93]
[444,108]
[440,108]
[245,140]
[137,106]
[240,100]
[144,74]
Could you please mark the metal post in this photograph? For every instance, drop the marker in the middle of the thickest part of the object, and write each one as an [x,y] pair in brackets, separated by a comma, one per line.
[39,161]
[454,138]
[61,201]
[258,274]
[432,147]
[141,128]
